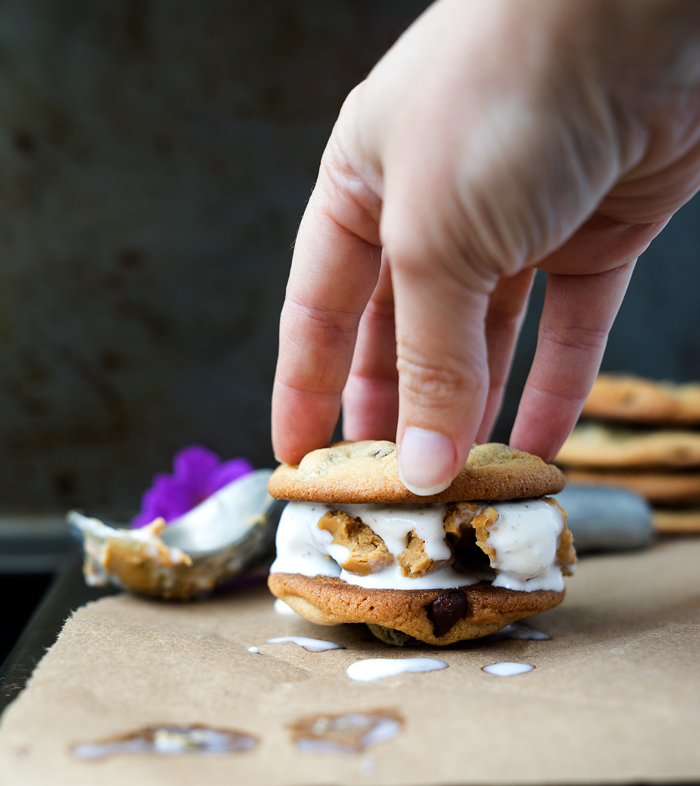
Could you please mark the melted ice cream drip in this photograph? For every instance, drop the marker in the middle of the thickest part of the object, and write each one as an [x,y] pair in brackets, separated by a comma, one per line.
[352,732]
[377,668]
[507,669]
[312,645]
[516,630]
[393,523]
[169,741]
[304,548]
[284,609]
[523,537]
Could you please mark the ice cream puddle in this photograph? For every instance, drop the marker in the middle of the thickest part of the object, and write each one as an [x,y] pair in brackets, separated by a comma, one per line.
[352,732]
[284,609]
[378,668]
[515,631]
[254,650]
[169,741]
[519,545]
[507,669]
[518,631]
[312,645]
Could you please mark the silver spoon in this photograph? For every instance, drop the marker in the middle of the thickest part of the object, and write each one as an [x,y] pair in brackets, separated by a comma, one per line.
[208,545]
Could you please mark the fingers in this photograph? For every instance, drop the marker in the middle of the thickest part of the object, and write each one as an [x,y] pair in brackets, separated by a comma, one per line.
[371,396]
[334,270]
[504,319]
[443,373]
[576,318]
[602,243]
[333,274]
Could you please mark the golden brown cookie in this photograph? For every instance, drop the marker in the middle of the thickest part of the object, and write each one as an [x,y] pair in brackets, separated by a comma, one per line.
[355,472]
[595,445]
[401,575]
[660,488]
[677,522]
[427,615]
[631,399]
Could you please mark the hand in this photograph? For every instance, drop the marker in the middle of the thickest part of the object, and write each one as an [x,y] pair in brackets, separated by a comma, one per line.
[496,136]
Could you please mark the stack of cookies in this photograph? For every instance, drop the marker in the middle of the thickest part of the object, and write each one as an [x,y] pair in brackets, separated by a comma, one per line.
[644,436]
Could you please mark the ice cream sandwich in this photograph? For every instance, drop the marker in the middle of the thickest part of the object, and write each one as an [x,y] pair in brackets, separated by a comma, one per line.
[354,545]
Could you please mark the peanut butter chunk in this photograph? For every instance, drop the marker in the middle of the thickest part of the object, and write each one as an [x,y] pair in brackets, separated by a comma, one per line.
[460,516]
[415,562]
[481,524]
[368,552]
[566,554]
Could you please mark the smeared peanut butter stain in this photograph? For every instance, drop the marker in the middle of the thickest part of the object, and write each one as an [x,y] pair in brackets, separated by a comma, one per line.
[169,741]
[352,732]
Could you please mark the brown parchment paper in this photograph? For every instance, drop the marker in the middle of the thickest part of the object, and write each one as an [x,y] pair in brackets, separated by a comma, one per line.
[614,697]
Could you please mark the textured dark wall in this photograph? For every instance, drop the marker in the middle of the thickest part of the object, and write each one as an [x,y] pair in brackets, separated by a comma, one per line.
[155,158]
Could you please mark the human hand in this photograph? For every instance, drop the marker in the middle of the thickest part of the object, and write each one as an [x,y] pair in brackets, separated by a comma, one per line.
[493,138]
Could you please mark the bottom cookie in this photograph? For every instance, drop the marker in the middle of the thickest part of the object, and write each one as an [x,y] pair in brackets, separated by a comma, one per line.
[435,616]
[676,521]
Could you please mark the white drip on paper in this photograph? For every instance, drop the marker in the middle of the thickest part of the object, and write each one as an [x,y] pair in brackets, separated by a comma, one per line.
[312,645]
[378,668]
[507,669]
[516,630]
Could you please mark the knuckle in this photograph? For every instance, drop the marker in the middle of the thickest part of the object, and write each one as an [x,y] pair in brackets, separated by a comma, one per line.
[301,319]
[317,344]
[380,313]
[433,385]
[575,338]
[502,321]
[423,252]
[408,254]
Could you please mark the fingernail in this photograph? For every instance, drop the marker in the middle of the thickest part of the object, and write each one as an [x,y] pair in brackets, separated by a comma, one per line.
[426,459]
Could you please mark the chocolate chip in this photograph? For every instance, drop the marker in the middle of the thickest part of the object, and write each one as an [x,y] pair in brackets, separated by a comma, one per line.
[446,611]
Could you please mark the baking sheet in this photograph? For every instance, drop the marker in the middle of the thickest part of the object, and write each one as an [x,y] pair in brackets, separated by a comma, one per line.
[614,696]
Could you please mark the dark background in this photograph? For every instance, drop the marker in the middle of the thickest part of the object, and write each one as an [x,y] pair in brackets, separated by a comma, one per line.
[155,159]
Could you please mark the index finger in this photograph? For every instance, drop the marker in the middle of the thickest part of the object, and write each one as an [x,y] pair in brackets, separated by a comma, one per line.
[334,270]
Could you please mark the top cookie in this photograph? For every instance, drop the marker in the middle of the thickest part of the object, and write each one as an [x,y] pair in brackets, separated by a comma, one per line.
[631,399]
[353,472]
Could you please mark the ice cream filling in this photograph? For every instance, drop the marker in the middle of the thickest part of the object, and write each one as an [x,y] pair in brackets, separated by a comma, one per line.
[520,545]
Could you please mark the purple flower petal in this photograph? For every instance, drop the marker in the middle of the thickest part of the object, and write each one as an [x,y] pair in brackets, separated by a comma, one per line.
[193,466]
[166,498]
[228,472]
[197,474]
